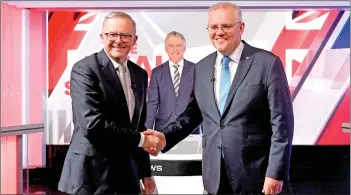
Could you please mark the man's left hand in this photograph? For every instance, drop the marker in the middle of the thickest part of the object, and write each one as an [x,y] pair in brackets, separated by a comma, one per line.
[149,185]
[272,186]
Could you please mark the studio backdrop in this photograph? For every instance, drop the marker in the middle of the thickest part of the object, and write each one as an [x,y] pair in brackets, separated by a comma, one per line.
[313,45]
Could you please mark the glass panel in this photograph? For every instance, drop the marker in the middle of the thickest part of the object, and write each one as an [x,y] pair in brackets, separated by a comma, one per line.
[33,161]
[9,164]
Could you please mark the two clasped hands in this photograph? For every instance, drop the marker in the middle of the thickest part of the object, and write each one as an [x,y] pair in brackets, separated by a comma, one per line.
[154,141]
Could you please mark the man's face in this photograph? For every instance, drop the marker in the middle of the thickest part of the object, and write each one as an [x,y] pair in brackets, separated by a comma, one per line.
[118,37]
[224,29]
[175,48]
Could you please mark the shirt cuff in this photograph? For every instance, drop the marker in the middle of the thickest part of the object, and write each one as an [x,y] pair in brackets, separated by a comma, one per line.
[142,138]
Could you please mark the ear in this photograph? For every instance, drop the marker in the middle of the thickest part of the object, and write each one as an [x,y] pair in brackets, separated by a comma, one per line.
[135,39]
[242,27]
[101,36]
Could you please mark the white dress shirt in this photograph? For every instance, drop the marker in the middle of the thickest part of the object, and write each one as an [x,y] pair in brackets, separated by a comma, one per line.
[233,65]
[130,94]
[172,69]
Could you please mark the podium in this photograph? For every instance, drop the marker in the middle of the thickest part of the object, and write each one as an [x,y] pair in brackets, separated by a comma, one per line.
[179,170]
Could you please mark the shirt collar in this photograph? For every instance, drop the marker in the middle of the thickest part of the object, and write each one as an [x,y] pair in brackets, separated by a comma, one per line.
[116,64]
[181,63]
[235,56]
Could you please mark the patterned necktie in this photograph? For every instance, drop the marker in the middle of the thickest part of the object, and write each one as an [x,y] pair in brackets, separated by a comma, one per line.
[122,76]
[224,84]
[176,79]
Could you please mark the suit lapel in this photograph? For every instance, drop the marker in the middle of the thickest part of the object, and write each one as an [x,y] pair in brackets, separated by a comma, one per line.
[243,68]
[208,76]
[167,72]
[110,74]
[184,78]
[137,87]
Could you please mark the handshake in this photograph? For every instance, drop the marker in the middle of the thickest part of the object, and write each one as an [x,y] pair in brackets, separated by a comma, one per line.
[154,141]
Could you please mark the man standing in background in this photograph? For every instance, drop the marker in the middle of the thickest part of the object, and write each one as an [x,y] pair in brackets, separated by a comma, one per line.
[108,95]
[170,86]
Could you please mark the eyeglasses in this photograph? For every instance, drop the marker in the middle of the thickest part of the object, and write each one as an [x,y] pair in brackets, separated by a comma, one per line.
[114,36]
[224,27]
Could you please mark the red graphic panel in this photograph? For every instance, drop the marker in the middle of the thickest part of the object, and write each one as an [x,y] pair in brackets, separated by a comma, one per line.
[310,39]
[61,38]
[333,134]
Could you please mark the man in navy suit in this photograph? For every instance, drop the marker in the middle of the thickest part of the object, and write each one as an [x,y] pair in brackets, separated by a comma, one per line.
[170,86]
[242,98]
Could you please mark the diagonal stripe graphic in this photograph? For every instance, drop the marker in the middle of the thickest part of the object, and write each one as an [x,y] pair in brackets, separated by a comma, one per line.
[313,61]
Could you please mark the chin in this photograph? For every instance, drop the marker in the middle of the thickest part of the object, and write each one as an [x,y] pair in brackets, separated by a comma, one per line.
[116,54]
[220,49]
[175,59]
[221,45]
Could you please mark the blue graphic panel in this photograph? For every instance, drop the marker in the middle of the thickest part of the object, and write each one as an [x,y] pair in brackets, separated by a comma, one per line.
[343,40]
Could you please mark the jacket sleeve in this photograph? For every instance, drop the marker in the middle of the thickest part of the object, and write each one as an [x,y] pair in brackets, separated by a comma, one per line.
[141,157]
[282,120]
[184,125]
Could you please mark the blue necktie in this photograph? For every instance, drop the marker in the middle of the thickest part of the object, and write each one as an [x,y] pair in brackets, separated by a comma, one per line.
[224,84]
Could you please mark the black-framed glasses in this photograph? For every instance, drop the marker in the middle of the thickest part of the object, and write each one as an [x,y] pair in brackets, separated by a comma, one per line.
[122,36]
[225,27]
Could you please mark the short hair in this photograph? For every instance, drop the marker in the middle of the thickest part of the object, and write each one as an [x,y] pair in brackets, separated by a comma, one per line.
[175,34]
[226,5]
[119,15]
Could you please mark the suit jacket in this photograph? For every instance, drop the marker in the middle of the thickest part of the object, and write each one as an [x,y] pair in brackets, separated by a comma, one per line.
[256,129]
[163,106]
[104,144]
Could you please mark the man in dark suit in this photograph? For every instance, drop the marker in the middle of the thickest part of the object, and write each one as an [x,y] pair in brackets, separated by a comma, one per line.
[170,86]
[242,98]
[109,109]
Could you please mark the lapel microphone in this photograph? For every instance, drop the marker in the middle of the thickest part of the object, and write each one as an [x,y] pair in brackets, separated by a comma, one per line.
[213,79]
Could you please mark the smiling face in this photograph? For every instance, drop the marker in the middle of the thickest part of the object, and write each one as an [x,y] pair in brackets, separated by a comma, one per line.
[225,29]
[118,37]
[175,48]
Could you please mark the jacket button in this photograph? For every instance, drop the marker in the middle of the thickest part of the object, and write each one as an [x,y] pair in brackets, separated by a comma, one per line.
[219,147]
[222,126]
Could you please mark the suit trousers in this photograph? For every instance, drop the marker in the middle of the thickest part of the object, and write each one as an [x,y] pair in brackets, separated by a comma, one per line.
[224,185]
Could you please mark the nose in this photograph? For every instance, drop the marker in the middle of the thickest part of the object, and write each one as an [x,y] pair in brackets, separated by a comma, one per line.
[118,39]
[220,31]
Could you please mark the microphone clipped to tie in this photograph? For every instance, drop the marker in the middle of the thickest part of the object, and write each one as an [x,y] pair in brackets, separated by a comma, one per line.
[213,79]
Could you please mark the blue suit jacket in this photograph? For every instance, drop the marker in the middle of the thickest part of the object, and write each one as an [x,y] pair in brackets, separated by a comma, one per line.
[163,107]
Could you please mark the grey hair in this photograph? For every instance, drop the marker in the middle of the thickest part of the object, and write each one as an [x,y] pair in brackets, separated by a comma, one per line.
[226,5]
[175,34]
[119,15]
